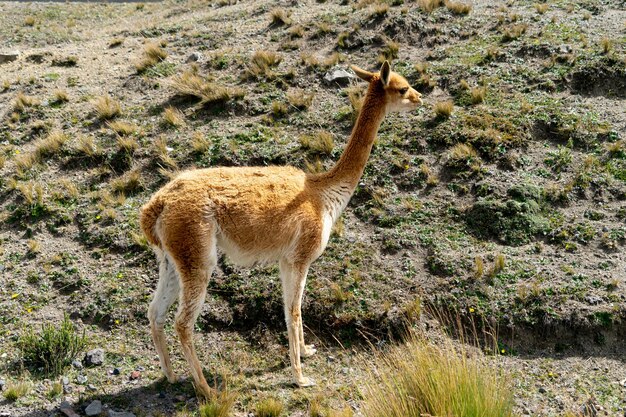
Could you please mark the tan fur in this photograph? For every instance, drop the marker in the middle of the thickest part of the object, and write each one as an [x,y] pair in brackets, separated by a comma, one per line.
[256,214]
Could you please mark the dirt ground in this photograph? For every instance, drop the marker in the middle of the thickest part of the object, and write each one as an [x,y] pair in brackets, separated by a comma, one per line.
[522,229]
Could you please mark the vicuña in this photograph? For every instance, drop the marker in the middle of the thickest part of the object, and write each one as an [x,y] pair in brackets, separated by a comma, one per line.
[257,214]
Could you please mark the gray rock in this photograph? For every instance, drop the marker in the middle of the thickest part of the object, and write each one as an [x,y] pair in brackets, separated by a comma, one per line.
[67,410]
[81,379]
[94,357]
[2,384]
[91,387]
[120,414]
[8,56]
[195,57]
[65,380]
[94,409]
[339,76]
[593,299]
[77,364]
[68,389]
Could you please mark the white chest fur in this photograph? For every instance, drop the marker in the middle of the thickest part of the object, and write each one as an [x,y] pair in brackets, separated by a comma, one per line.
[335,201]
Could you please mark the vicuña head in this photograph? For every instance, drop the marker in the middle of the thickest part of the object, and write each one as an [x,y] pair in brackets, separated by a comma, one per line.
[256,214]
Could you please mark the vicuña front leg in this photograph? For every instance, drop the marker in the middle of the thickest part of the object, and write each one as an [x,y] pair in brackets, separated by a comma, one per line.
[293,279]
[305,350]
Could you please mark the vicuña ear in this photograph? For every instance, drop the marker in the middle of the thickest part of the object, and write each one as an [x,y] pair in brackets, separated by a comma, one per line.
[385,72]
[364,75]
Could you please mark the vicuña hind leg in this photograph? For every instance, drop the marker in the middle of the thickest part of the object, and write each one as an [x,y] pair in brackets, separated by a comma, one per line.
[305,350]
[165,294]
[192,295]
[292,280]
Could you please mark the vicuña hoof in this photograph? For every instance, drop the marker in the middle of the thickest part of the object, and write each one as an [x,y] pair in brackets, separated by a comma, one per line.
[307,351]
[306,382]
[172,378]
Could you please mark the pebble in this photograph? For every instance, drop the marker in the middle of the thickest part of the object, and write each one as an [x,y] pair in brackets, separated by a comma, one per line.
[116,371]
[135,375]
[120,414]
[2,384]
[65,380]
[81,379]
[91,387]
[542,390]
[77,364]
[94,409]
[140,369]
[180,398]
[68,389]
[94,357]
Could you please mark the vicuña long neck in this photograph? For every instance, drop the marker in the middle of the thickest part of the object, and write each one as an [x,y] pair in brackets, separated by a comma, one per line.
[349,169]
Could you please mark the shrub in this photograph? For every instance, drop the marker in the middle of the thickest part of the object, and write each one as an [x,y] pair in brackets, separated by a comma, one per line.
[443,109]
[53,349]
[422,378]
[190,84]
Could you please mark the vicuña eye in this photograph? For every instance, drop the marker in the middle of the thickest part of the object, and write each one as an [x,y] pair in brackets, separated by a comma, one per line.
[403,90]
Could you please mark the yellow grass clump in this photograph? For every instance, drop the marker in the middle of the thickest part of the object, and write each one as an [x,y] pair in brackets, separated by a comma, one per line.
[422,378]
[443,109]
[106,108]
[190,84]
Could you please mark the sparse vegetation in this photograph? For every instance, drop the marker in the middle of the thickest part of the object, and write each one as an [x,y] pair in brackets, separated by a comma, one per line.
[53,349]
[443,109]
[270,407]
[16,390]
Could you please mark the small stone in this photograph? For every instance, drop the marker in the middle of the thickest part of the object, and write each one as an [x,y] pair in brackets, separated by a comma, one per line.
[116,371]
[140,369]
[77,364]
[180,398]
[81,379]
[339,76]
[91,387]
[120,414]
[195,57]
[68,389]
[542,390]
[65,380]
[135,375]
[94,357]
[67,409]
[94,409]
[8,56]
[2,384]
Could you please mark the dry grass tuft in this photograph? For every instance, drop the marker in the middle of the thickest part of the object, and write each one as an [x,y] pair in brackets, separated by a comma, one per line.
[87,146]
[541,8]
[127,144]
[443,109]
[322,142]
[218,406]
[280,17]
[262,63]
[123,128]
[29,21]
[61,96]
[379,10]
[199,143]
[458,8]
[44,148]
[606,44]
[429,6]
[173,117]
[513,32]
[477,94]
[390,51]
[190,84]
[23,101]
[422,378]
[106,108]
[269,407]
[128,183]
[152,55]
[300,99]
